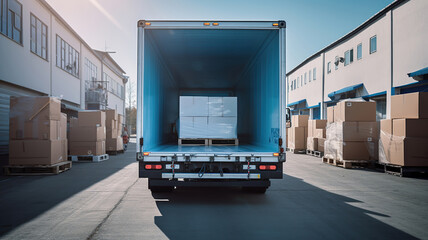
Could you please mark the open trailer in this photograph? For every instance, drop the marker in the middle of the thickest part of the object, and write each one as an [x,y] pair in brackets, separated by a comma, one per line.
[244,59]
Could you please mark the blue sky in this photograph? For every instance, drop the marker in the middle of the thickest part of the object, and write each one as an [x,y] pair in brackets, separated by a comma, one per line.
[311,24]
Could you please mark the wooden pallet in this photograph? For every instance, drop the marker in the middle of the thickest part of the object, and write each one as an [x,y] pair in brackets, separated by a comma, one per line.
[36,170]
[193,142]
[296,151]
[348,163]
[115,152]
[404,171]
[89,158]
[314,153]
[223,142]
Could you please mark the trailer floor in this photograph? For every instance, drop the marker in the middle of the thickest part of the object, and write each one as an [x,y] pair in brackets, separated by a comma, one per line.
[107,200]
[174,148]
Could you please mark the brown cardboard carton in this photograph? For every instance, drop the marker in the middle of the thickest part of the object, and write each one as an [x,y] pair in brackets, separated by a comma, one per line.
[111,124]
[312,144]
[91,118]
[321,143]
[297,138]
[299,120]
[351,150]
[404,151]
[320,133]
[111,133]
[114,144]
[417,128]
[386,126]
[36,152]
[314,125]
[111,114]
[16,128]
[119,119]
[74,122]
[28,108]
[330,114]
[87,134]
[411,105]
[42,129]
[349,111]
[353,131]
[87,148]
[63,126]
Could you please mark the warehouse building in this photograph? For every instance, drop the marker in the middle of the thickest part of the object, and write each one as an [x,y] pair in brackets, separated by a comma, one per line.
[41,55]
[384,56]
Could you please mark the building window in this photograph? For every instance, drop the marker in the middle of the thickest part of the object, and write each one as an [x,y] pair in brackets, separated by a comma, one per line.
[373,44]
[305,77]
[67,58]
[91,75]
[347,58]
[298,82]
[39,39]
[11,19]
[310,75]
[359,51]
[301,80]
[328,67]
[114,87]
[315,73]
[294,84]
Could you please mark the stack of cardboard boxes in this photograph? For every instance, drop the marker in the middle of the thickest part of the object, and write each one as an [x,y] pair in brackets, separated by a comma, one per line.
[352,131]
[114,140]
[88,134]
[298,132]
[316,135]
[37,131]
[404,137]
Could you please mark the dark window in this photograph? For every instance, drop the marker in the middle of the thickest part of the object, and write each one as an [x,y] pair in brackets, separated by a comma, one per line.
[328,67]
[67,58]
[314,72]
[39,36]
[373,44]
[347,58]
[11,19]
[351,55]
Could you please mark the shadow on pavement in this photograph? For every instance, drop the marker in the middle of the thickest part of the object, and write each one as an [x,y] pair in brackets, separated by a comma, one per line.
[25,198]
[293,210]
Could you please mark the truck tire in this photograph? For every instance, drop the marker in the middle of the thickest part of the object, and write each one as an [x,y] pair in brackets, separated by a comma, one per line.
[258,190]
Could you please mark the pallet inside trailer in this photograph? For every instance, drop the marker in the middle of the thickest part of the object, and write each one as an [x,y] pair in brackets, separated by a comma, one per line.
[37,169]
[348,163]
[89,158]
[208,142]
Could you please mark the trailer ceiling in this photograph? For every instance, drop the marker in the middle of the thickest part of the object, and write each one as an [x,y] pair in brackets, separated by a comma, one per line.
[208,58]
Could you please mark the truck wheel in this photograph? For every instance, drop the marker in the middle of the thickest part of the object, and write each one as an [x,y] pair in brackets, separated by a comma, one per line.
[259,190]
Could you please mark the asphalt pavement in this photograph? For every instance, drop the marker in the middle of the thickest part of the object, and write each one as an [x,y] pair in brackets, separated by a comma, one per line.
[107,200]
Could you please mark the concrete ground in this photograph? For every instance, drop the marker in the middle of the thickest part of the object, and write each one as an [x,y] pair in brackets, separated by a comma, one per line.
[314,200]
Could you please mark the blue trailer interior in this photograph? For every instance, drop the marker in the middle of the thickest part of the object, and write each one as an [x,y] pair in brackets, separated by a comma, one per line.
[242,63]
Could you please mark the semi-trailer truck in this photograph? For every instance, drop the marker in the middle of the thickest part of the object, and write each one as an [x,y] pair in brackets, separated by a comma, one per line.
[242,59]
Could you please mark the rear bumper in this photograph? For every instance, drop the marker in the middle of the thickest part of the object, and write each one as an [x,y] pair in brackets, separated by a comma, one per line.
[236,183]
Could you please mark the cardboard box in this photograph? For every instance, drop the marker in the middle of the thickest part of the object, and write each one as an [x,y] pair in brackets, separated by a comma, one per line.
[351,150]
[299,120]
[115,144]
[193,127]
[321,143]
[353,131]
[350,111]
[193,106]
[111,114]
[330,114]
[111,124]
[386,126]
[91,118]
[314,125]
[412,152]
[37,152]
[29,108]
[111,133]
[42,129]
[320,133]
[417,128]
[87,134]
[297,138]
[312,144]
[87,148]
[222,127]
[411,105]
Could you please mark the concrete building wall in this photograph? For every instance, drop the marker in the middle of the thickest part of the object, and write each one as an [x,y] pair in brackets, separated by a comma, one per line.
[114,100]
[410,31]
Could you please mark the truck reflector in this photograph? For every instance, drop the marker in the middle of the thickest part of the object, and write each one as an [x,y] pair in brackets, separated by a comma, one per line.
[267,167]
[206,24]
[215,24]
[153,167]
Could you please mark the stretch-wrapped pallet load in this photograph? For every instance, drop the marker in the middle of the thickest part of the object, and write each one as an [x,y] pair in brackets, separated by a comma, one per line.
[298,132]
[352,133]
[88,134]
[37,131]
[114,140]
[316,134]
[208,117]
[404,137]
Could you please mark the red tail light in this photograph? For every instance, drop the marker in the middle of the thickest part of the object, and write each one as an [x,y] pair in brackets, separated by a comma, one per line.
[153,167]
[267,167]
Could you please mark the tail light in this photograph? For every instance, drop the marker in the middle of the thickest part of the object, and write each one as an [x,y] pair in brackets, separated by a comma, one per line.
[153,167]
[267,167]
[146,153]
[276,154]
